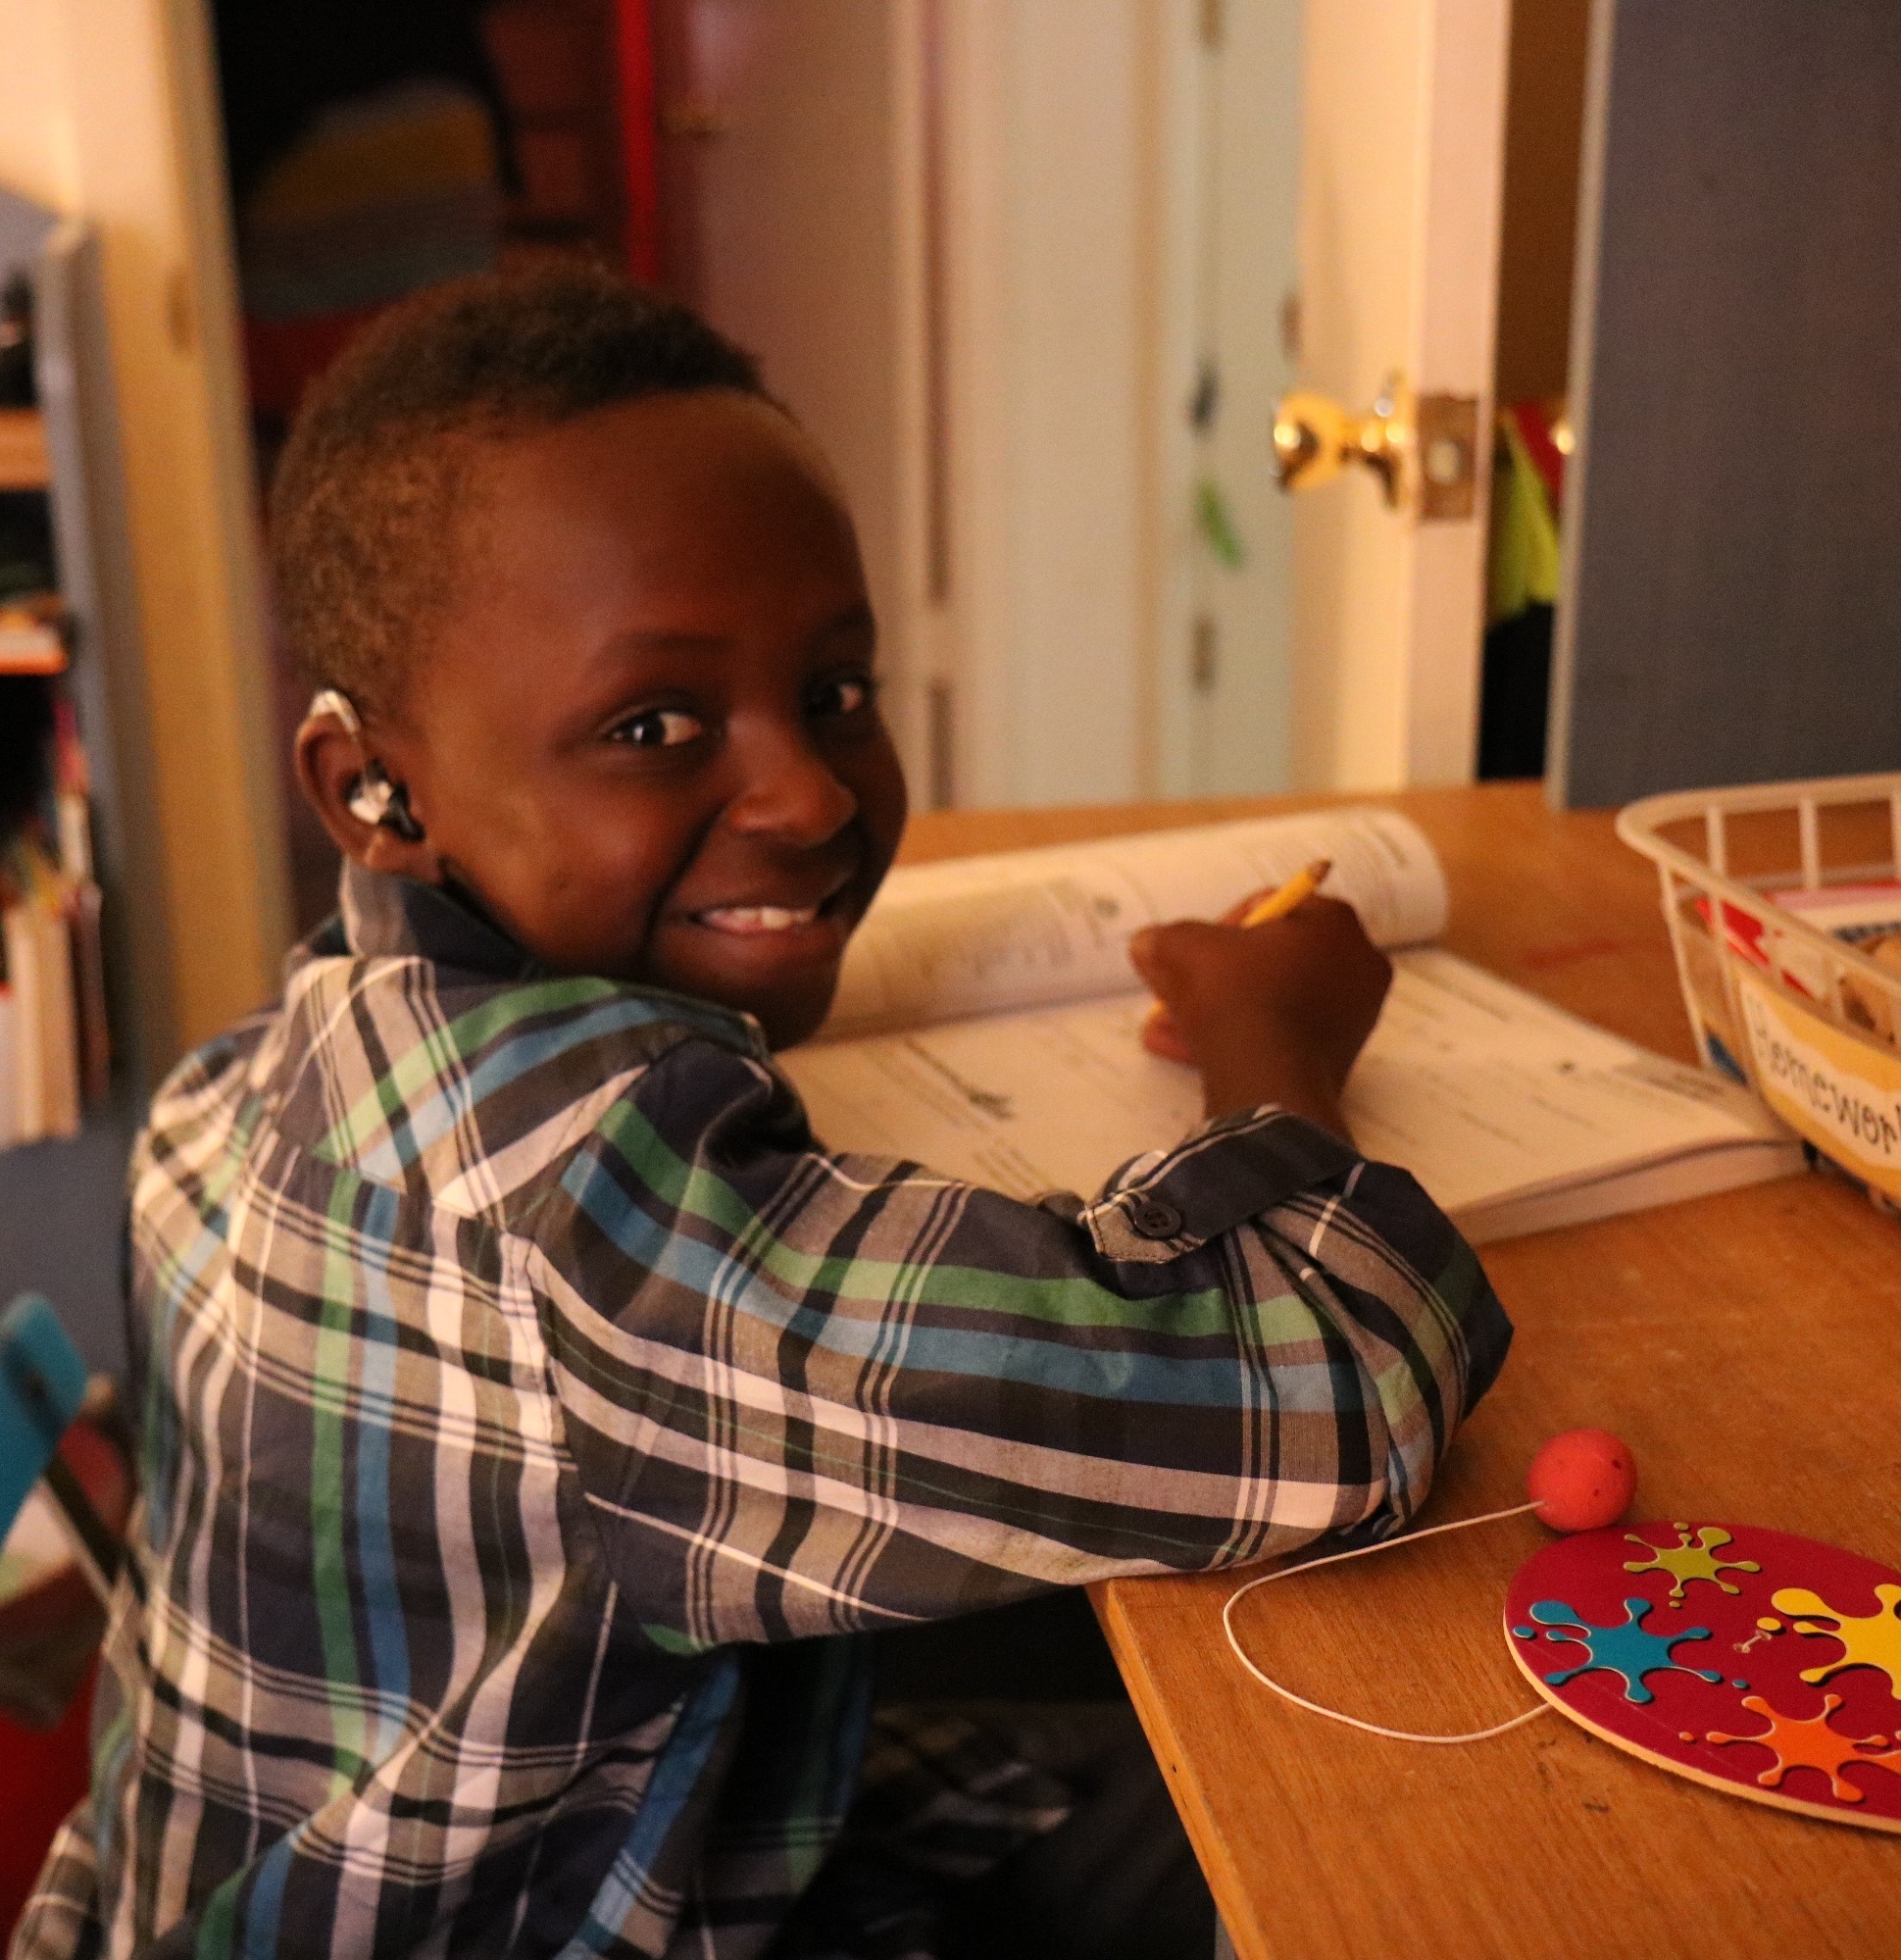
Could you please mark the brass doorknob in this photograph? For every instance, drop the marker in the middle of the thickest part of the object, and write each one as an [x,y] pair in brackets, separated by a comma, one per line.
[1314,438]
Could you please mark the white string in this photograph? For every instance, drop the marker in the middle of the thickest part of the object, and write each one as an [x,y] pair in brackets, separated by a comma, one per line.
[1287,1693]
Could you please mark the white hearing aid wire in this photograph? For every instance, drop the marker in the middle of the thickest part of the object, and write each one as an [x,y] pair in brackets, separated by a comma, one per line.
[331,701]
[1287,1693]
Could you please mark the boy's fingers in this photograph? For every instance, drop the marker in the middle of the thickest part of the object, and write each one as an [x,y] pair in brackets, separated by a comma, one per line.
[1160,1036]
[1142,952]
[1160,953]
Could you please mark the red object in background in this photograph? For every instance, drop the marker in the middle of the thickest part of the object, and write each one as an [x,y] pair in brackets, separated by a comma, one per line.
[633,37]
[45,1771]
[1533,421]
[43,1774]
[282,357]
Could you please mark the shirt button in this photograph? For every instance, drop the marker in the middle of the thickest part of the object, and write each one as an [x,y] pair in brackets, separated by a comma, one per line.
[1154,1218]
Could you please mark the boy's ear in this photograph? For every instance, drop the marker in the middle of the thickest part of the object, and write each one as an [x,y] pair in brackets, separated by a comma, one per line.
[333,767]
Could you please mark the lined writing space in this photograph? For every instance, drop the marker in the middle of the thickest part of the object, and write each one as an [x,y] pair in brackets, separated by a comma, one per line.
[1478,1089]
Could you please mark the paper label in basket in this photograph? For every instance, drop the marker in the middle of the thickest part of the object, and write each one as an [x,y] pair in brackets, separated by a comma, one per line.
[1842,1093]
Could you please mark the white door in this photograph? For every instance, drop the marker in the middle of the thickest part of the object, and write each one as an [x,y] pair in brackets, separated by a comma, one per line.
[990,251]
[1227,306]
[1401,169]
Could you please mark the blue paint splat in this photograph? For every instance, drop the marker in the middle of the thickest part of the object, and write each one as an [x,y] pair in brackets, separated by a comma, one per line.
[1525,1633]
[1738,1684]
[1626,1650]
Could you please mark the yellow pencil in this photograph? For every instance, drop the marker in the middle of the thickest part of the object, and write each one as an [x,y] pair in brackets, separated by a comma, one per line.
[1275,905]
[1297,891]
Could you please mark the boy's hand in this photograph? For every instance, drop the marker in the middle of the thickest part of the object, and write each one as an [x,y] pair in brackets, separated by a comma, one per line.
[1272,1013]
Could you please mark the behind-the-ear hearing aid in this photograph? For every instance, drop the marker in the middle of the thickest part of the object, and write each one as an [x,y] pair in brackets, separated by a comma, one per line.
[372,798]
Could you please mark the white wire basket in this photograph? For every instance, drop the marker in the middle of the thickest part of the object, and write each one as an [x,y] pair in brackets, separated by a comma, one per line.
[1779,997]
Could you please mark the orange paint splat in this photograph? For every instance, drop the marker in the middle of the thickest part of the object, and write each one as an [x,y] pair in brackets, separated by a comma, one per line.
[1811,1746]
[1869,1640]
[1691,1557]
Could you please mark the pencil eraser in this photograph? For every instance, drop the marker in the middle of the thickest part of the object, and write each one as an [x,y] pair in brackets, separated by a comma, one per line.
[1583,1480]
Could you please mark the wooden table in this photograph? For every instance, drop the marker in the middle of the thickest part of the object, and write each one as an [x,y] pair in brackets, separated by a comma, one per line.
[1747,1346]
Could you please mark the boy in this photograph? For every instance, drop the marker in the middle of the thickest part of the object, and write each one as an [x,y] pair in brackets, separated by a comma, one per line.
[536,1418]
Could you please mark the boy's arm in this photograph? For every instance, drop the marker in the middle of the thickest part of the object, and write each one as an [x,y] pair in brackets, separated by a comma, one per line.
[808,1392]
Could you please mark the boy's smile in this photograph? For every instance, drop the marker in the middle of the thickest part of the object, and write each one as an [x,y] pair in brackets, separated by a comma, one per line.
[646,733]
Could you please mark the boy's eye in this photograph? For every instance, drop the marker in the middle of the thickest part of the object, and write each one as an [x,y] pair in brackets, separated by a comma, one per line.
[658,728]
[842,694]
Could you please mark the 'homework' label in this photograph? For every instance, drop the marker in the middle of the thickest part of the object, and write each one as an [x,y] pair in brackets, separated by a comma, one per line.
[1843,1093]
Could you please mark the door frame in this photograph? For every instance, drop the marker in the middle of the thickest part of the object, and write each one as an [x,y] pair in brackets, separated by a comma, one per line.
[1389,608]
[1068,216]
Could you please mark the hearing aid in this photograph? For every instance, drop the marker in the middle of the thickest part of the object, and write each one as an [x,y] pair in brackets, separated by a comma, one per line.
[372,798]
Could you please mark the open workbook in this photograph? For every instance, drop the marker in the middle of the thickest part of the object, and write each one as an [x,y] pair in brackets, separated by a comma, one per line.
[987,1024]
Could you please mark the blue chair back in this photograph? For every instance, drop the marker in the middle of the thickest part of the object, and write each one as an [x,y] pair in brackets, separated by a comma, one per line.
[43,1384]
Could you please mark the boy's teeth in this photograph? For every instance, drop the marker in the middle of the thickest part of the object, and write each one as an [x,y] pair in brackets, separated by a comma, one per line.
[759,918]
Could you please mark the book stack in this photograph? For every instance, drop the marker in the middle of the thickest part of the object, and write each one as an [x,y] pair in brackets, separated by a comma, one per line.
[55,1049]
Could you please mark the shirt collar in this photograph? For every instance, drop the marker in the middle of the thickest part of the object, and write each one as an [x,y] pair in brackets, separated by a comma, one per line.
[383,917]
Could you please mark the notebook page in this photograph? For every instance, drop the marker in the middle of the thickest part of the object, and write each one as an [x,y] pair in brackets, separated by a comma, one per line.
[1482,1091]
[1022,928]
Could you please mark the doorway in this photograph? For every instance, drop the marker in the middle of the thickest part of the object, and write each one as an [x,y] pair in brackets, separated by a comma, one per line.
[1544,121]
[1069,244]
[371,151]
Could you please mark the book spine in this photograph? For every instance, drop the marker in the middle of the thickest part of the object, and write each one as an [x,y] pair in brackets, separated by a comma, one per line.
[10,1050]
[59,1023]
[23,979]
[39,967]
[90,992]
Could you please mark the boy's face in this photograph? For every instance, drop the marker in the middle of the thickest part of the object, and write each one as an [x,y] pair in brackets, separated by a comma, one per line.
[647,737]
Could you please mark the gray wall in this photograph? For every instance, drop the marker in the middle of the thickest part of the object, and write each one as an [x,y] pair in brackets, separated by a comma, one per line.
[1732,606]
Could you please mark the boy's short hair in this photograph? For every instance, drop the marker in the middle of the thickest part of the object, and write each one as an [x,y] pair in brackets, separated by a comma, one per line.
[364,511]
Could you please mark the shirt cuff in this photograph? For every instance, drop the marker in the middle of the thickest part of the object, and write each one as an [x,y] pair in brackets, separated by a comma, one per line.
[1231,1170]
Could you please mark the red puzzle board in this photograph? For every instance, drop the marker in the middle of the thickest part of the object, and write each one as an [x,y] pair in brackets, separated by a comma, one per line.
[1803,1641]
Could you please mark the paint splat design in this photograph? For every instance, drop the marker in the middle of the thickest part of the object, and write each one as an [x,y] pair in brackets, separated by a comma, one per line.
[1626,1650]
[1693,1556]
[1869,1641]
[1809,1644]
[1811,1744]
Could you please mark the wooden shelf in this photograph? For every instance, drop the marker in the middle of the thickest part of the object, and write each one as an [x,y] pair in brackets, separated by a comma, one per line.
[23,450]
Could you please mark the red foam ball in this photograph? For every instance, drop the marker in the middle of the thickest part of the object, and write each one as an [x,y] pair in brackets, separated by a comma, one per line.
[1583,1479]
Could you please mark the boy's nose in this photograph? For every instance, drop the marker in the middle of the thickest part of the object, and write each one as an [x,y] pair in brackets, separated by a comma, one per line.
[791,792]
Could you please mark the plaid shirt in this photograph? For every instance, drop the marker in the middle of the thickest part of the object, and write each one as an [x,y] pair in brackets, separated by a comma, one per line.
[537,1419]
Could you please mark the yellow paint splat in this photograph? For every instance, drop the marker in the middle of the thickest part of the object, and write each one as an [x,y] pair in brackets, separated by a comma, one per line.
[1869,1641]
[1693,1556]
